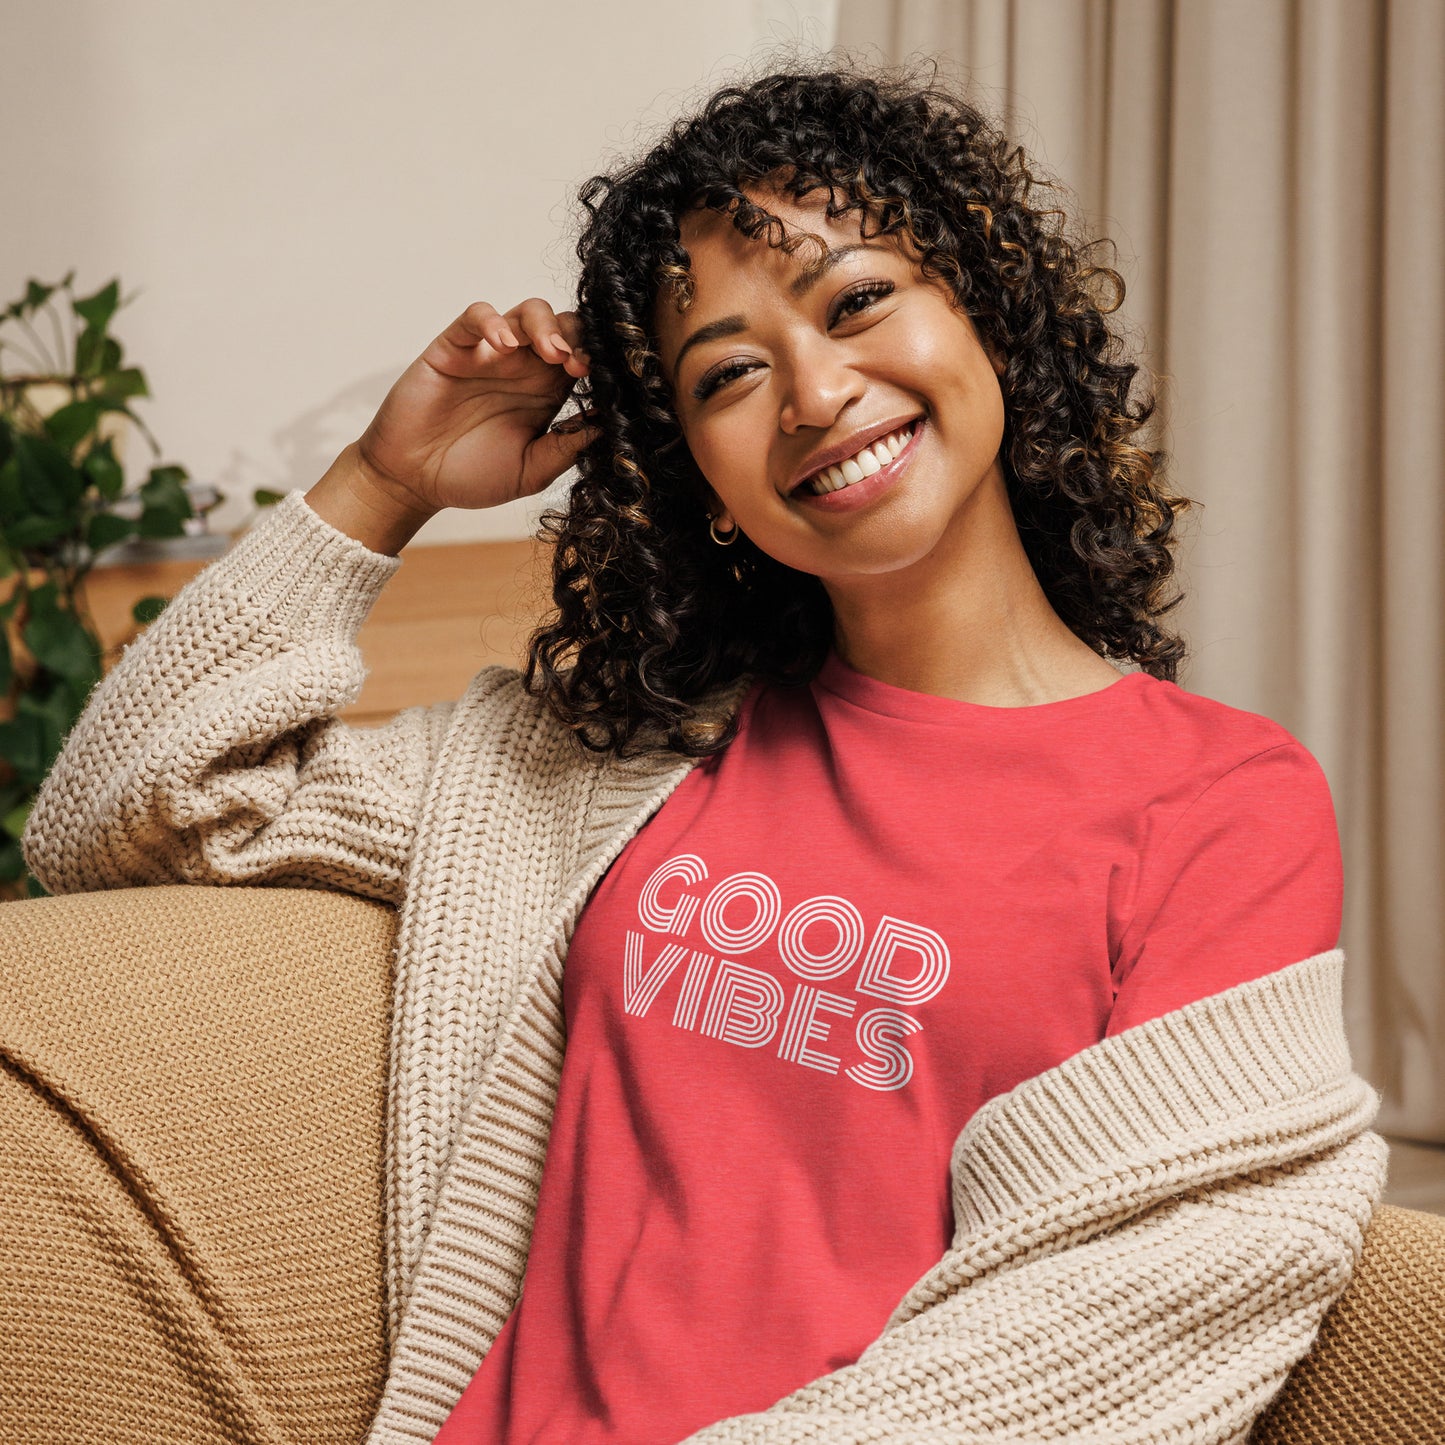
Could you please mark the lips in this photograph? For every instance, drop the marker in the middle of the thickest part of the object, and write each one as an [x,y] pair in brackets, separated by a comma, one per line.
[862,495]
[848,447]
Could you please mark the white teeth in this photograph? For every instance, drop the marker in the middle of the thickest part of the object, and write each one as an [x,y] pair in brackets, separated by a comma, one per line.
[871,459]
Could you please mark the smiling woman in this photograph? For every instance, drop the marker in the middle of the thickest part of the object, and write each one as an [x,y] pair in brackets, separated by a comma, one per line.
[828,322]
[923,1032]
[913,545]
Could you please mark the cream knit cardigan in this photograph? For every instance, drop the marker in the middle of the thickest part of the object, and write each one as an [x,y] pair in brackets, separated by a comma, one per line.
[1148,1235]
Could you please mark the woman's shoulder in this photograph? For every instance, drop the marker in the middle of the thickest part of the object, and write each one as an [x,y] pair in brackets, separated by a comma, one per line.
[1209,716]
[1201,737]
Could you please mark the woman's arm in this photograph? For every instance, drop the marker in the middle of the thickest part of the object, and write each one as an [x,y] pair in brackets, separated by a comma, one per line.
[210,753]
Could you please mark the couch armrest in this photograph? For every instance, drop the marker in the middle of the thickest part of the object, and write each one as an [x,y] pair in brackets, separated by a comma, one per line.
[192,1113]
[1376,1371]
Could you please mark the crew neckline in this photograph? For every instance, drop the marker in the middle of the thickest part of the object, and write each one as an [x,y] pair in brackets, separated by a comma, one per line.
[837,677]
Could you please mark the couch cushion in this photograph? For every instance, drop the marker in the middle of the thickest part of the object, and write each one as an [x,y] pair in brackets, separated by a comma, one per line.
[191,1148]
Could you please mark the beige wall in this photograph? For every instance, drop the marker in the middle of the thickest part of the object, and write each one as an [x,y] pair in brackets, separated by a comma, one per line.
[301,196]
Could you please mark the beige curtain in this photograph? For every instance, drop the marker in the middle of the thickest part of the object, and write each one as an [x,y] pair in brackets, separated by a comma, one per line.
[1273,172]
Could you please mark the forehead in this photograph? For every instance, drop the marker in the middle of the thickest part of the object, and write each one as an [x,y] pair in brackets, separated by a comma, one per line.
[714,235]
[717,247]
[725,264]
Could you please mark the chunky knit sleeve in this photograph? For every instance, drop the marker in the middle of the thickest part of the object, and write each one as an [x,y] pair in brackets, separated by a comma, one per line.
[1148,1237]
[210,752]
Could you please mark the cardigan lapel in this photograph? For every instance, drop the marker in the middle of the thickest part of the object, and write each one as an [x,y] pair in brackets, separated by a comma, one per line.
[469,1124]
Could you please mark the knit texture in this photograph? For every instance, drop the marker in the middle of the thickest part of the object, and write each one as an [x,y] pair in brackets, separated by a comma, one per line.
[1148,1234]
[191,1127]
[1376,1371]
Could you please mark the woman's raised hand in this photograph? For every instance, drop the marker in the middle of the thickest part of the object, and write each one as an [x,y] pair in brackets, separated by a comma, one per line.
[467,423]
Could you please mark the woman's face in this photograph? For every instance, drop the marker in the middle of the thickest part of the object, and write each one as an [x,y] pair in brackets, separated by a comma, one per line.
[769,372]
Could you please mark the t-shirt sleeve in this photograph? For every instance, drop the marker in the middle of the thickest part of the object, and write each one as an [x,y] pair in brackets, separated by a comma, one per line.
[1249,880]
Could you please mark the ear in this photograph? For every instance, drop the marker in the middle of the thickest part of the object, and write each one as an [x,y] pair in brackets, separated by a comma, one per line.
[715,508]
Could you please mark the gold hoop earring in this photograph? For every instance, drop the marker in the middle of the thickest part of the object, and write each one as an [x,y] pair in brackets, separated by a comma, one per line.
[727,541]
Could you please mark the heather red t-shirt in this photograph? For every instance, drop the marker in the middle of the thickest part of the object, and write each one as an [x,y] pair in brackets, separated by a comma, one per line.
[876,910]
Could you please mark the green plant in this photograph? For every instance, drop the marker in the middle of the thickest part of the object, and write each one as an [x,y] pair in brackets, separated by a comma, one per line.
[60,479]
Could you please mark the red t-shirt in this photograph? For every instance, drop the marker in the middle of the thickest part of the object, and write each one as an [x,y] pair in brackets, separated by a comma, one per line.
[876,910]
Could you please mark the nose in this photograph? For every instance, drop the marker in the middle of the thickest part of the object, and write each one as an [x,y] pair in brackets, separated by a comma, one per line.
[820,382]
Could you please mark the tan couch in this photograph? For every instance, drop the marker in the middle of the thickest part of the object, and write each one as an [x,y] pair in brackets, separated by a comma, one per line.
[191,1145]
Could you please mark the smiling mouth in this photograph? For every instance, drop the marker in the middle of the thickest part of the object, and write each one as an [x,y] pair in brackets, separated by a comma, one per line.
[866,463]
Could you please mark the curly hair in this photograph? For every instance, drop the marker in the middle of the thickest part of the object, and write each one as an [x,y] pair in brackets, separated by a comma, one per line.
[649,612]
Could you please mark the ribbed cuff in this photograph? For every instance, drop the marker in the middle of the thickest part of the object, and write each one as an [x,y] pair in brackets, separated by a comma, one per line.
[322,579]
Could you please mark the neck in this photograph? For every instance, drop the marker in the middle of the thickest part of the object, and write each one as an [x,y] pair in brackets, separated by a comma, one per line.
[968,620]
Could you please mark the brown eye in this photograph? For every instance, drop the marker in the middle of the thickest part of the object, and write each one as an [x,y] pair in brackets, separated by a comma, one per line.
[715,379]
[868,292]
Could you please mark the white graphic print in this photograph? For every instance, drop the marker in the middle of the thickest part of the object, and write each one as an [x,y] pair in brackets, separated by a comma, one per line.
[800,1027]
[740,1004]
[744,1005]
[878,1026]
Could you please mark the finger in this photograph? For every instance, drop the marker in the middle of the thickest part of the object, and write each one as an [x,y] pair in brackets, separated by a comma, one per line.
[586,419]
[570,325]
[480,323]
[543,331]
[553,452]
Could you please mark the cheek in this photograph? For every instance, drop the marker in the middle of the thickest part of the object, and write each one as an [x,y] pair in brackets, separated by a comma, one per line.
[727,453]
[959,375]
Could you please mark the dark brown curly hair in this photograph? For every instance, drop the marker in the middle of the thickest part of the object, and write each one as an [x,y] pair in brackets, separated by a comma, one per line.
[649,613]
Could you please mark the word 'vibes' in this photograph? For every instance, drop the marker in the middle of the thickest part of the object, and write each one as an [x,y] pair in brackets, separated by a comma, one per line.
[901,964]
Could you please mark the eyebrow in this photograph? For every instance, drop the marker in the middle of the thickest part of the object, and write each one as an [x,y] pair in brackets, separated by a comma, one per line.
[731,325]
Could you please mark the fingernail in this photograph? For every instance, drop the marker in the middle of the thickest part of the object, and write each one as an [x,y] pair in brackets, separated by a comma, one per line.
[557,341]
[508,337]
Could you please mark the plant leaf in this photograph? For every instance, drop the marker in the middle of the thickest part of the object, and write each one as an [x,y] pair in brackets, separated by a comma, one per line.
[52,485]
[148,609]
[129,381]
[12,494]
[96,310]
[36,295]
[105,529]
[167,506]
[59,641]
[14,821]
[22,745]
[44,596]
[71,422]
[102,468]
[35,530]
[89,352]
[43,723]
